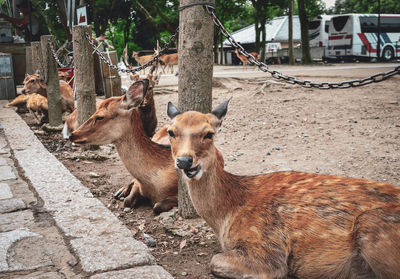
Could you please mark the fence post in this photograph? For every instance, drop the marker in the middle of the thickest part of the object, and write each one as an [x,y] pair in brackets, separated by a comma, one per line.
[53,87]
[195,59]
[28,60]
[36,57]
[84,73]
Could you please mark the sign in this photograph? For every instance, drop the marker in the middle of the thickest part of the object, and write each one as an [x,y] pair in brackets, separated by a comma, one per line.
[81,15]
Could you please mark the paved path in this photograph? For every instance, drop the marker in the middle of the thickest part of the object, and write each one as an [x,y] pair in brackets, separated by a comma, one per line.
[51,226]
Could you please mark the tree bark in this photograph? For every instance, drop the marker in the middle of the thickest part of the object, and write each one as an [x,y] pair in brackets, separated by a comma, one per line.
[37,57]
[291,58]
[195,74]
[84,74]
[53,87]
[305,45]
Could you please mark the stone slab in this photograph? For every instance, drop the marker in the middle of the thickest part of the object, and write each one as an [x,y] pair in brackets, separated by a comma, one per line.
[8,239]
[3,161]
[15,220]
[6,173]
[112,252]
[5,191]
[11,205]
[142,272]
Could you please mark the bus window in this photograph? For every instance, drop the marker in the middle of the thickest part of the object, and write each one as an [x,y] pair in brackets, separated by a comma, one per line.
[388,24]
[327,26]
[314,24]
[339,22]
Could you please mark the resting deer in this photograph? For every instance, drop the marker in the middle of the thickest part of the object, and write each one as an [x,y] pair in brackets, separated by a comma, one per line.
[169,60]
[35,103]
[286,224]
[118,121]
[34,84]
[243,58]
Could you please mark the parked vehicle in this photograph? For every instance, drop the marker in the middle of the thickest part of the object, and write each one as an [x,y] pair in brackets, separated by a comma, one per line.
[356,36]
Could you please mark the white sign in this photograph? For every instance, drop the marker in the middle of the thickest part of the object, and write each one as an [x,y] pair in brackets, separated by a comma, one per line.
[81,15]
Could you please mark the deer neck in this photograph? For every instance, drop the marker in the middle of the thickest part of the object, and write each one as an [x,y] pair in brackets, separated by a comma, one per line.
[141,156]
[216,195]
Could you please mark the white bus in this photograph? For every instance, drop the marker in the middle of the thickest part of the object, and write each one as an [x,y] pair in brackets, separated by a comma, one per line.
[356,36]
[318,31]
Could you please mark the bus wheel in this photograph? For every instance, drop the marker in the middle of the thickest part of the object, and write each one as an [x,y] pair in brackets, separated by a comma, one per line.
[388,53]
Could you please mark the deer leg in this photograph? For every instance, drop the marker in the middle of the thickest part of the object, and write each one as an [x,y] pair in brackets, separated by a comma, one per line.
[134,195]
[34,114]
[165,205]
[124,191]
[377,239]
[236,264]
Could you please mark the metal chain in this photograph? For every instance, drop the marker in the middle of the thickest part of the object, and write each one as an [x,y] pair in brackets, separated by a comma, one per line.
[56,57]
[137,69]
[291,79]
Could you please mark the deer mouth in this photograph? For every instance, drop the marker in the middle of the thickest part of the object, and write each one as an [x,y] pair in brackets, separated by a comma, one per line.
[190,173]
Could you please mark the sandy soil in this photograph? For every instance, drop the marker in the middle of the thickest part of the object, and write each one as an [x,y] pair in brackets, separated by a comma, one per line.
[353,132]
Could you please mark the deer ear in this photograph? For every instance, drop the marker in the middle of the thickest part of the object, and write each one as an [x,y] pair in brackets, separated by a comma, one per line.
[220,111]
[136,92]
[172,110]
[37,72]
[42,84]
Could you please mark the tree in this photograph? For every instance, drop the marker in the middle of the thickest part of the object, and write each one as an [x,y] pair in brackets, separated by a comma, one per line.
[364,6]
[305,45]
[291,57]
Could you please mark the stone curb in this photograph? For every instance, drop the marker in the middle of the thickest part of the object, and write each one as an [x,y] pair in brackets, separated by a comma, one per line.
[100,241]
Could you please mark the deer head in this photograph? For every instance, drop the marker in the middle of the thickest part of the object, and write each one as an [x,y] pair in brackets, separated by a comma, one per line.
[192,138]
[113,117]
[33,84]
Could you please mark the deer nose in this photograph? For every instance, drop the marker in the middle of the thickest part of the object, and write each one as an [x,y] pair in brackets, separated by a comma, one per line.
[23,91]
[71,137]
[184,162]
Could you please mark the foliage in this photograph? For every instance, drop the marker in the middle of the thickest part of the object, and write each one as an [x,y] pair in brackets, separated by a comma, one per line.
[364,6]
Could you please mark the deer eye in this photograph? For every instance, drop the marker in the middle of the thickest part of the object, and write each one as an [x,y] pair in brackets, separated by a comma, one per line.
[209,135]
[99,118]
[171,134]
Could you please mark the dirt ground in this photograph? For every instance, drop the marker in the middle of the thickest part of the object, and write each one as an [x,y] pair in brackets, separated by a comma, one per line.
[351,132]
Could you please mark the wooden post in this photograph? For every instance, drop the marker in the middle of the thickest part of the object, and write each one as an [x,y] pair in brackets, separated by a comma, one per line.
[195,55]
[112,80]
[28,60]
[53,87]
[84,73]
[36,57]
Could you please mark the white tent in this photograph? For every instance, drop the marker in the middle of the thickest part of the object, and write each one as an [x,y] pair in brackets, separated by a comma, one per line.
[277,30]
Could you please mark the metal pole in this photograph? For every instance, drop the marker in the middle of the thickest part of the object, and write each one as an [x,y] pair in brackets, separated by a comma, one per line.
[378,47]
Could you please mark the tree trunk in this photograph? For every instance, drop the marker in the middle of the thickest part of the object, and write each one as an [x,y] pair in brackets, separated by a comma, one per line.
[291,58]
[84,74]
[53,87]
[305,46]
[37,63]
[261,51]
[195,74]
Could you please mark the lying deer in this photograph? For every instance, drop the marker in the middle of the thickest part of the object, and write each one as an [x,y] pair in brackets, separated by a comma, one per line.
[118,121]
[34,84]
[35,103]
[169,60]
[286,224]
[243,58]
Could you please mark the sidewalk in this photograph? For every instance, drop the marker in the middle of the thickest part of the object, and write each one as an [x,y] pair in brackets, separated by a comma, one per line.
[51,226]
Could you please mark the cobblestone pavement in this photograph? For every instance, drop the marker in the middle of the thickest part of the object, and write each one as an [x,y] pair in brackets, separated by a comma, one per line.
[50,224]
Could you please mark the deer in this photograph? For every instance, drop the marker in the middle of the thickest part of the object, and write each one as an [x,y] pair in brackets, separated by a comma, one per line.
[285,224]
[243,58]
[142,59]
[169,60]
[35,103]
[34,84]
[118,121]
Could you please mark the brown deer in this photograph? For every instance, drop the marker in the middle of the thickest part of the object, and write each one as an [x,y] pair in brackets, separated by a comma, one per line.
[243,58]
[118,120]
[286,224]
[35,103]
[34,84]
[142,59]
[169,60]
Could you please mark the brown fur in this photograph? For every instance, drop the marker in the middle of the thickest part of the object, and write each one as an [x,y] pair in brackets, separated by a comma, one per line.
[243,58]
[169,60]
[33,84]
[289,224]
[20,103]
[142,59]
[35,103]
[149,163]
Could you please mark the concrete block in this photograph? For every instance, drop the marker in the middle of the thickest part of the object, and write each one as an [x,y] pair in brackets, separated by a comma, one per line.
[142,272]
[6,173]
[11,205]
[5,191]
[15,220]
